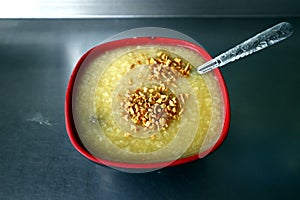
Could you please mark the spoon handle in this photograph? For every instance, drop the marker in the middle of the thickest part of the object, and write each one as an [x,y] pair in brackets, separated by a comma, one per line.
[260,41]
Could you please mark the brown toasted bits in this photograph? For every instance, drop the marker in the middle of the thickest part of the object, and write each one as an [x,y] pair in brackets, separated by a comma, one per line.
[164,67]
[164,98]
[174,64]
[131,110]
[171,103]
[174,110]
[132,66]
[151,107]
[177,60]
[152,61]
[159,54]
[168,62]
[169,108]
[151,90]
[164,57]
[187,67]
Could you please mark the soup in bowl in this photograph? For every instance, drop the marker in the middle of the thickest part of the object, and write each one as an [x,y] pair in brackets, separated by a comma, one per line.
[139,104]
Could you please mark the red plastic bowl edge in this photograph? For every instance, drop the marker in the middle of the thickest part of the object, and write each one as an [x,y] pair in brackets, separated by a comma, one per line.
[70,126]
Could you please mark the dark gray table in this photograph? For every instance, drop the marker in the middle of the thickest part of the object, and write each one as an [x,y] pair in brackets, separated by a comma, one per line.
[259,159]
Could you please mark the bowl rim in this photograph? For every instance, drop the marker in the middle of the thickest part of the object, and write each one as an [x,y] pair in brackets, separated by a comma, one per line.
[101,48]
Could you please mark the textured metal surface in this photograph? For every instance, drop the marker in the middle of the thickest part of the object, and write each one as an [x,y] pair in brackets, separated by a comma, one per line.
[259,159]
[152,8]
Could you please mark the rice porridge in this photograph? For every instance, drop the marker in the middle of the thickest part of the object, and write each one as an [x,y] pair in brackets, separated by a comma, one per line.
[145,104]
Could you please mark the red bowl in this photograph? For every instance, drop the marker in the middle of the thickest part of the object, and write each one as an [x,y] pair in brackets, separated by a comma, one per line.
[100,49]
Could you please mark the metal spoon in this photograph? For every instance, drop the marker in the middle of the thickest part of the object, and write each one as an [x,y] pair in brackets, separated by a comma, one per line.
[260,41]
